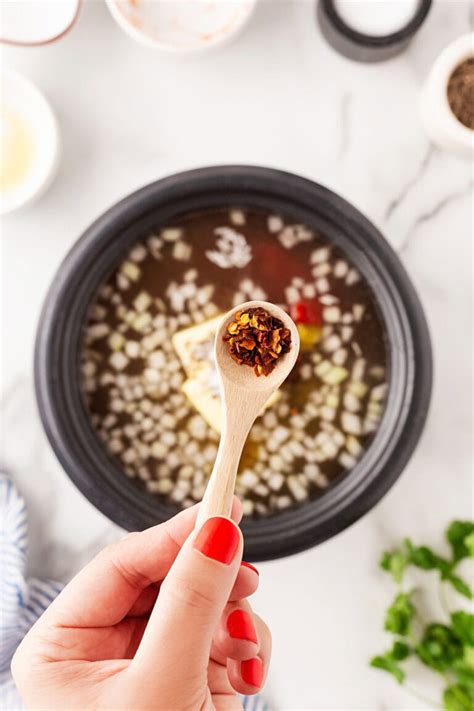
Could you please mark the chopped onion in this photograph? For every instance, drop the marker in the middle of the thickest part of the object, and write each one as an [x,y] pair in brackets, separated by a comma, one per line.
[353,446]
[379,392]
[346,460]
[116,341]
[237,217]
[322,285]
[131,270]
[377,372]
[352,277]
[351,423]
[347,333]
[358,389]
[335,375]
[328,299]
[275,223]
[358,369]
[292,295]
[321,270]
[172,234]
[332,343]
[340,269]
[247,507]
[332,314]
[283,502]
[276,481]
[320,255]
[358,311]
[309,291]
[297,490]
[261,489]
[162,486]
[340,356]
[142,301]
[351,402]
[328,413]
[118,360]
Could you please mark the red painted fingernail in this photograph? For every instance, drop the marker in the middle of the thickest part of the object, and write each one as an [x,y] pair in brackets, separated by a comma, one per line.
[240,626]
[249,565]
[252,671]
[218,539]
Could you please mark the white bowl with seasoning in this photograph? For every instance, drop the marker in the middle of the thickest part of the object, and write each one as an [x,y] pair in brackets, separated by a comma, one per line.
[441,123]
[184,27]
[29,142]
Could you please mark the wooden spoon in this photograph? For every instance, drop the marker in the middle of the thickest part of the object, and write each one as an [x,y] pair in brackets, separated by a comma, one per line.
[243,396]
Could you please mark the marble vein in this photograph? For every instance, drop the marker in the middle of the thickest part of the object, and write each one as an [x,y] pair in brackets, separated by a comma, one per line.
[436,210]
[395,203]
[346,106]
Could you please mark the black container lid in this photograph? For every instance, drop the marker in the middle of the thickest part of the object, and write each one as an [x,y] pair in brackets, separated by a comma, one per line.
[366,48]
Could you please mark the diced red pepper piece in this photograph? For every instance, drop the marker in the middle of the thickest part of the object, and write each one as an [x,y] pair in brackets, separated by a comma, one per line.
[307,312]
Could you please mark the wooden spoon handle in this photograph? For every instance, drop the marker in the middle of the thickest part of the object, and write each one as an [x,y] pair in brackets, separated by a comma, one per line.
[238,419]
[217,499]
[239,410]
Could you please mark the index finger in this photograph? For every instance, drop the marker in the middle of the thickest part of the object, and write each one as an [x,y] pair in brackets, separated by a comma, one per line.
[104,591]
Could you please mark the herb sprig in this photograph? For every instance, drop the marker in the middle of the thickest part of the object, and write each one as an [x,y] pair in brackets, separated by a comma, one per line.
[445,648]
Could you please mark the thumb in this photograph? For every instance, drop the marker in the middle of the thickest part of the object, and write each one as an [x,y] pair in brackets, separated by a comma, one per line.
[191,601]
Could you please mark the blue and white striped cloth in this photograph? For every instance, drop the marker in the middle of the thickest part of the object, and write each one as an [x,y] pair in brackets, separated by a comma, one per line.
[22,599]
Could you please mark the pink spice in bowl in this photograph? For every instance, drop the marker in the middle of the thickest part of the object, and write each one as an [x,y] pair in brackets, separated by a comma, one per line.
[181,26]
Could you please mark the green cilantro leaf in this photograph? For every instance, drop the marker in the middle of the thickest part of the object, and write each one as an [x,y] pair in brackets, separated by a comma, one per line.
[389,661]
[390,666]
[394,563]
[456,698]
[445,649]
[424,558]
[400,614]
[469,543]
[456,535]
[400,651]
[463,625]
[460,585]
[439,647]
[465,675]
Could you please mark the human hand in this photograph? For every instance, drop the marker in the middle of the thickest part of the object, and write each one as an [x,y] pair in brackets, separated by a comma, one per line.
[158,620]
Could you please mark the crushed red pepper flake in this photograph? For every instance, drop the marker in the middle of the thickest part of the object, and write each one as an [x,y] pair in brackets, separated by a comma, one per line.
[257,339]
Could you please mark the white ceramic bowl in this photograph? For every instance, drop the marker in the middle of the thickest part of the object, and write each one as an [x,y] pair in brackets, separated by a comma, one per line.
[25,109]
[37,23]
[440,123]
[182,26]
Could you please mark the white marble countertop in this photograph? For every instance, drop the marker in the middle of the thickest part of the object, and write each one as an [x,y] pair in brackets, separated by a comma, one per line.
[278,96]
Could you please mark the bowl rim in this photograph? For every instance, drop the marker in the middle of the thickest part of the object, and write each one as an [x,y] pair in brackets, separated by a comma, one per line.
[45,121]
[303,526]
[147,41]
[362,39]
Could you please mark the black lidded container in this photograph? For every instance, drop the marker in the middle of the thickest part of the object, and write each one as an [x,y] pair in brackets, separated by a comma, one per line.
[361,47]
[98,475]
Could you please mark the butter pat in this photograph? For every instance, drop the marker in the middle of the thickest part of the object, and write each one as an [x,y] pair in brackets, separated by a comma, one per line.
[194,347]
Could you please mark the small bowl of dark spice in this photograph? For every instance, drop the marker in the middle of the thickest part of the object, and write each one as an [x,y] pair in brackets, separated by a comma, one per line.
[461,92]
[447,103]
